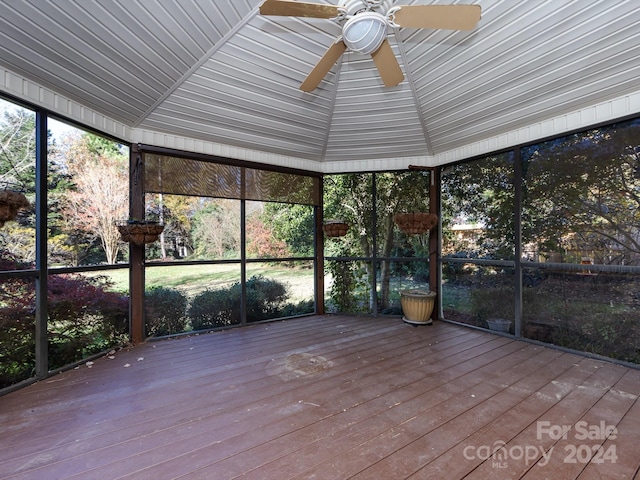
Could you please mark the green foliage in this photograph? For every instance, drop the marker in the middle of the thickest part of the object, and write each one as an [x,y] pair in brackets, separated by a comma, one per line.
[351,197]
[581,192]
[266,298]
[291,224]
[165,311]
[481,192]
[216,230]
[349,289]
[84,318]
[214,308]
[493,302]
[614,335]
[101,146]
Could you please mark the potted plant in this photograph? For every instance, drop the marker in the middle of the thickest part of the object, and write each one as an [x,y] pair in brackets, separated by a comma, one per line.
[335,228]
[140,232]
[415,223]
[10,203]
[498,324]
[417,306]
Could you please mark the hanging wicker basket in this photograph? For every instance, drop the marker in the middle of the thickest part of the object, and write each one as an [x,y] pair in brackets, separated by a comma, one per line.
[415,223]
[140,232]
[10,203]
[335,228]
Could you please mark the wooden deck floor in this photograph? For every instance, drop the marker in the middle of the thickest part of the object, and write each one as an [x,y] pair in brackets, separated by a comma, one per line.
[330,397]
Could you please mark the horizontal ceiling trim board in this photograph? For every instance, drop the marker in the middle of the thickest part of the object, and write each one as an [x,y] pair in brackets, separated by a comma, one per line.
[377,165]
[33,93]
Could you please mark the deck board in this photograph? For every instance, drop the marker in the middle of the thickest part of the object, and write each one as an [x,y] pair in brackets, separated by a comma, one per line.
[326,397]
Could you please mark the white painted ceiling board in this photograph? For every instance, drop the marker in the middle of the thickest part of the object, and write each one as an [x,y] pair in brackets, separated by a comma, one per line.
[217,71]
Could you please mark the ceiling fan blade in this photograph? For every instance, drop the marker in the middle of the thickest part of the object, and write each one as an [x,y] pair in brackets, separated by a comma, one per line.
[327,61]
[289,8]
[387,65]
[449,17]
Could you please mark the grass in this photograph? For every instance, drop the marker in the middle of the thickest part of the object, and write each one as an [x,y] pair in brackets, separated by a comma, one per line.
[192,279]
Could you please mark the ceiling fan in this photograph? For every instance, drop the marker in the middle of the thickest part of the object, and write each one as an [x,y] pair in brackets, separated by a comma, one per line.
[364,29]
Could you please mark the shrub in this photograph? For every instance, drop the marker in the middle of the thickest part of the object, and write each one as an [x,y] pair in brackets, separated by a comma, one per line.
[165,311]
[266,298]
[214,308]
[300,308]
[493,303]
[84,318]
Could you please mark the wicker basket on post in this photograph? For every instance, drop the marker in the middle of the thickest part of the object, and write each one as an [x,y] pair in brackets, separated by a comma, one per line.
[139,232]
[415,223]
[335,228]
[10,203]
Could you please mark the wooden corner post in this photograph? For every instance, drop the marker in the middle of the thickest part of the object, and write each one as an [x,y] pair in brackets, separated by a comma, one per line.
[435,239]
[136,252]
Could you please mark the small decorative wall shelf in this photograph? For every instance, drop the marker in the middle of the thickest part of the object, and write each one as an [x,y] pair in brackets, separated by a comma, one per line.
[140,232]
[10,203]
[335,228]
[415,223]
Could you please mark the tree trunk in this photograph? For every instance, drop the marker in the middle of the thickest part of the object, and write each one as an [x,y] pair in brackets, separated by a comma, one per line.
[385,266]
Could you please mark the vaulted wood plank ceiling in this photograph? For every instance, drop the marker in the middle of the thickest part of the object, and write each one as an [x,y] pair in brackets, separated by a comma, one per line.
[216,71]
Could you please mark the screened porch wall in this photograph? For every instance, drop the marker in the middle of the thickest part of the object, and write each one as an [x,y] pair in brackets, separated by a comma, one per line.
[555,250]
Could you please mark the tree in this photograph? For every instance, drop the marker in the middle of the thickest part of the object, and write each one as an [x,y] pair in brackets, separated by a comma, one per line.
[261,241]
[100,195]
[17,149]
[216,229]
[480,192]
[580,193]
[351,198]
[17,173]
[177,213]
[291,224]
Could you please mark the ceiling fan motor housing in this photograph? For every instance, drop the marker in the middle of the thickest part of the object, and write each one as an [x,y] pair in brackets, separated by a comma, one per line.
[365,32]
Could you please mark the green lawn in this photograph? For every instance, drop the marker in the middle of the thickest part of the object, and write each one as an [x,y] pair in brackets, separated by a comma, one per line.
[193,279]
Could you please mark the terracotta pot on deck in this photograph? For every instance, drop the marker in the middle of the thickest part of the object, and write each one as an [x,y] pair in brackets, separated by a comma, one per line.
[417,306]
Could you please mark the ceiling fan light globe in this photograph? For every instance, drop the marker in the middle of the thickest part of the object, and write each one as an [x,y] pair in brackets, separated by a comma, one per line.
[365,32]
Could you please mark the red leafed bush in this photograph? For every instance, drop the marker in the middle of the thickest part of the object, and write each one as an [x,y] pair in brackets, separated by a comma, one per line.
[84,318]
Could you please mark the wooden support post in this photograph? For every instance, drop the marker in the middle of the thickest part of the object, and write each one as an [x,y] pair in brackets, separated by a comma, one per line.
[435,240]
[41,282]
[319,253]
[136,252]
[435,236]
